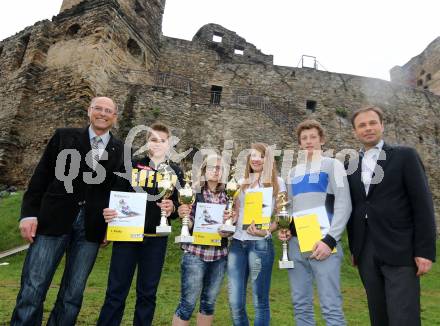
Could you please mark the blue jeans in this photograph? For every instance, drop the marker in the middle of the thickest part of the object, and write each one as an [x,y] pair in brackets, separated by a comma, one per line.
[326,273]
[42,260]
[252,258]
[148,256]
[199,278]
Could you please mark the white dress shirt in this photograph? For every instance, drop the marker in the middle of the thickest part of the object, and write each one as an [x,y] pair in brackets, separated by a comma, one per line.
[369,162]
[105,138]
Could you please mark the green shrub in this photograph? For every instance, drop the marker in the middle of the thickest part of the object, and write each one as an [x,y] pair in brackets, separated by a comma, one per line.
[342,112]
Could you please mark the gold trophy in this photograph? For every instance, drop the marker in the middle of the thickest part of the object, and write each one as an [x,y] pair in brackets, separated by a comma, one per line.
[187,196]
[165,187]
[231,189]
[283,220]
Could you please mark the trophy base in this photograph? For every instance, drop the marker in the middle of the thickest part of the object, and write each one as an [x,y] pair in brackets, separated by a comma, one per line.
[184,239]
[288,264]
[163,229]
[227,228]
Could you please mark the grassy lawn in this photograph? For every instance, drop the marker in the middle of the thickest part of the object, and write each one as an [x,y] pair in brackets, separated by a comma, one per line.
[9,213]
[168,295]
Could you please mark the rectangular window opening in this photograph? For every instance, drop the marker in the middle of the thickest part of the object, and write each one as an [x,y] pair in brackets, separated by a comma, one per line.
[311,105]
[216,94]
[217,37]
[239,50]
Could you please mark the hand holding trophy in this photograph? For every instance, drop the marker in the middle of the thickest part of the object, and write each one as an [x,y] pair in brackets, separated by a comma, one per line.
[165,187]
[187,196]
[231,190]
[283,220]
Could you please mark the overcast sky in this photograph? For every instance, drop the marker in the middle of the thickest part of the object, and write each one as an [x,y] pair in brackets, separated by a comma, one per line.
[357,37]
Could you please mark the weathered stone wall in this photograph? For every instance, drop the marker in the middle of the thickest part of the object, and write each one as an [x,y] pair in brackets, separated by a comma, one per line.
[142,20]
[21,62]
[422,71]
[50,71]
[230,46]
[67,4]
[279,95]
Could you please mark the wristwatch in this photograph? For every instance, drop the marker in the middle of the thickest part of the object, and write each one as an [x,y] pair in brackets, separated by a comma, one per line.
[268,235]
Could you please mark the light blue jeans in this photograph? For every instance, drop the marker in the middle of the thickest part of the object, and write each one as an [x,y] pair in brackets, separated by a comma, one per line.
[199,278]
[252,258]
[326,273]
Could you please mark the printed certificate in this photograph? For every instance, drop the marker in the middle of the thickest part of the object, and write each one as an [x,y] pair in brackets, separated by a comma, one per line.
[207,220]
[129,224]
[311,226]
[258,207]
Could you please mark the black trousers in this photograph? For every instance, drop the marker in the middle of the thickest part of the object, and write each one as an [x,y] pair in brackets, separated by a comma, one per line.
[393,292]
[148,256]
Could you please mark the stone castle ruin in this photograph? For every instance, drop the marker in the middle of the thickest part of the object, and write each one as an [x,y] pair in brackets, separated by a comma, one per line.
[422,71]
[214,88]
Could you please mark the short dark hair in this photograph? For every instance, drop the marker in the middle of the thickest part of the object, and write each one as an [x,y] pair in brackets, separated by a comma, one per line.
[367,108]
[158,126]
[309,124]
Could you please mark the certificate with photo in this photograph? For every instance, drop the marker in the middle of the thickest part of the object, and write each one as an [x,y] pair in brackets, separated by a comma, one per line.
[258,207]
[207,220]
[129,224]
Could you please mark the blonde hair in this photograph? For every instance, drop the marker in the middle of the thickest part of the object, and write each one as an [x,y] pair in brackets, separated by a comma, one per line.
[269,158]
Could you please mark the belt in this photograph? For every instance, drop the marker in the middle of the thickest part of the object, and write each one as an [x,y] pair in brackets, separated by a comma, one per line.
[153,235]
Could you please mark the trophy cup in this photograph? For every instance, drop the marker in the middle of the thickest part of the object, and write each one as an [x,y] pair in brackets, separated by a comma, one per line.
[165,187]
[231,190]
[283,222]
[187,197]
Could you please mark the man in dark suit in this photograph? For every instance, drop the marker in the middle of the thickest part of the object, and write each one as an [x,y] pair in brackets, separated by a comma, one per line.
[58,218]
[391,230]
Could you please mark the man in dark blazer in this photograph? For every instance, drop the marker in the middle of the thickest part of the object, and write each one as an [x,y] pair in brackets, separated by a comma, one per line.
[392,229]
[58,218]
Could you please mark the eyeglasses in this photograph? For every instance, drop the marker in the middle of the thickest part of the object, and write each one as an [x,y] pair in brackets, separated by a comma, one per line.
[101,110]
[213,168]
